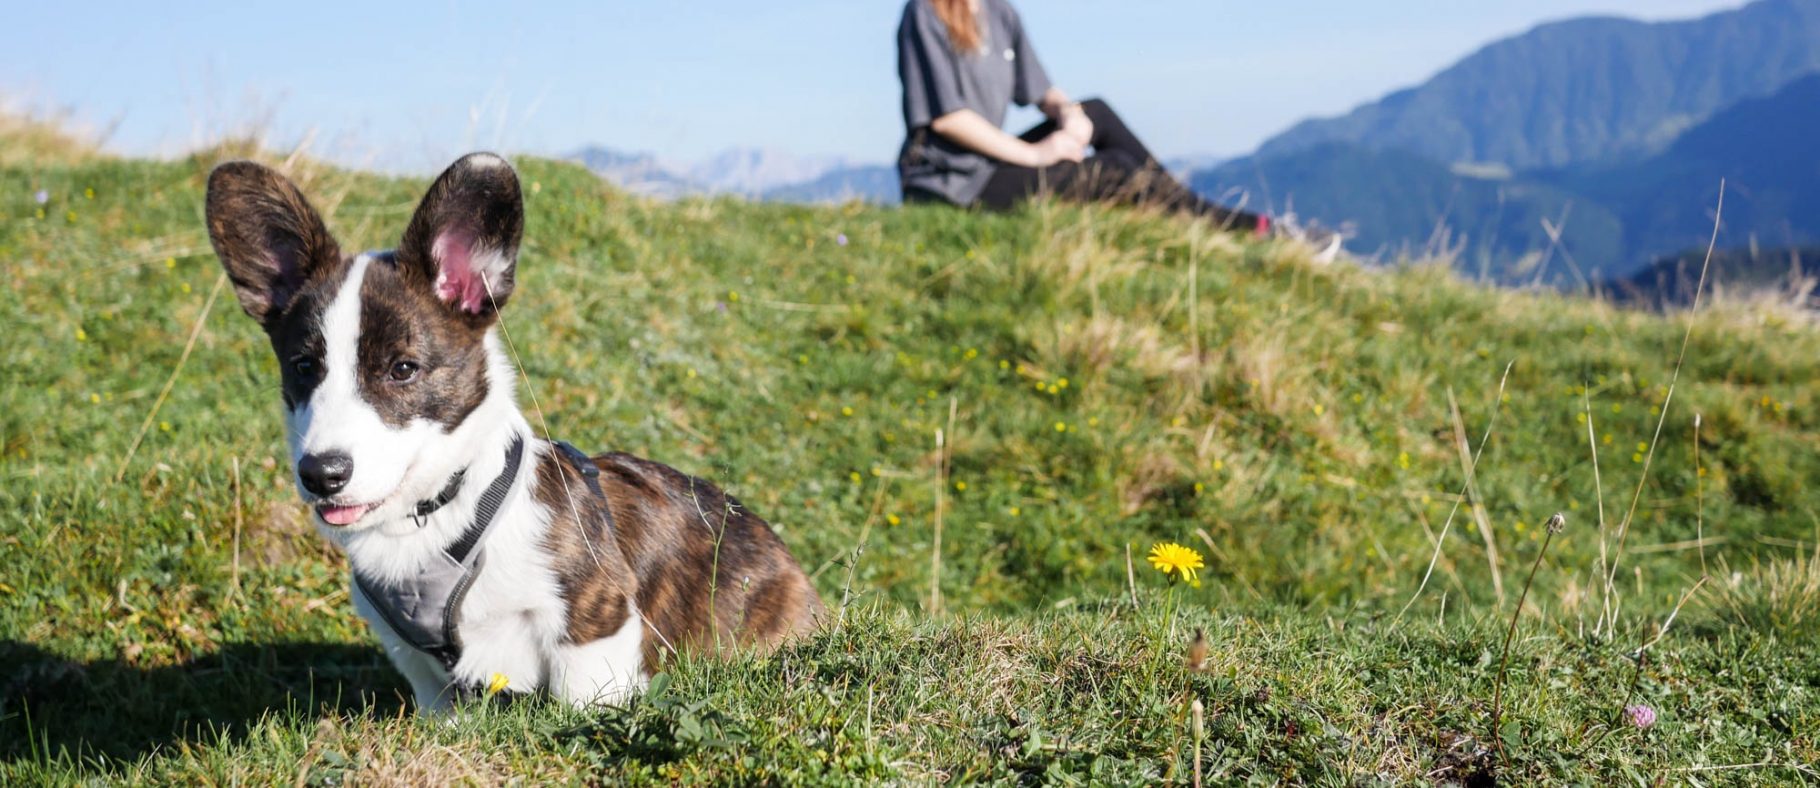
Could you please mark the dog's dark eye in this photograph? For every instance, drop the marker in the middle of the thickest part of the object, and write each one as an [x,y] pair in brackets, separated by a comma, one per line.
[304,366]
[405,371]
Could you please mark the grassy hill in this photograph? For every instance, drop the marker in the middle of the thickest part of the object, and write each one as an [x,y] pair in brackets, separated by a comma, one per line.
[1102,379]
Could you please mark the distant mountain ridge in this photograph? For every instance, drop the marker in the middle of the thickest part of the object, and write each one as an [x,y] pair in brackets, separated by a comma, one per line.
[746,172]
[1582,90]
[1629,193]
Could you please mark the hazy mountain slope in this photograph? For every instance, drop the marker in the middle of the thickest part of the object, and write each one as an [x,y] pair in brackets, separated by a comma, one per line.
[873,183]
[1583,89]
[1393,202]
[1764,149]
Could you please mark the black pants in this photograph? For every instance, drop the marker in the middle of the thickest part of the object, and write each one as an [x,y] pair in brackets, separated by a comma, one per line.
[1120,170]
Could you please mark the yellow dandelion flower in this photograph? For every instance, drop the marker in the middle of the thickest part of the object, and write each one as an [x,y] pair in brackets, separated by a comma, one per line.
[802,359]
[892,519]
[164,426]
[1040,386]
[94,398]
[732,297]
[1175,560]
[1015,511]
[854,476]
[846,410]
[1319,409]
[81,336]
[1061,426]
[89,193]
[497,684]
[170,262]
[1199,488]
[961,486]
[1403,460]
[1062,383]
[1003,364]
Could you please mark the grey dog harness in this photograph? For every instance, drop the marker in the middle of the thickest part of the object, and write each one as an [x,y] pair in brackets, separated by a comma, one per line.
[423,608]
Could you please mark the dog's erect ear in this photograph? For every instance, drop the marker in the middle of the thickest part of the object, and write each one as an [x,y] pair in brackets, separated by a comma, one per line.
[268,237]
[463,240]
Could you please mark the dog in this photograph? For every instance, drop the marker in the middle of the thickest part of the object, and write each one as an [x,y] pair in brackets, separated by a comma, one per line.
[485,558]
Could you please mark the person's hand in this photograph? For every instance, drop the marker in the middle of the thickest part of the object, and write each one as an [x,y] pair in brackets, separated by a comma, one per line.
[1076,124]
[1055,148]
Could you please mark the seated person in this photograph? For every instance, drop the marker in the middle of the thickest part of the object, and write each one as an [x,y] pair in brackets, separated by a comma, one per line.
[962,63]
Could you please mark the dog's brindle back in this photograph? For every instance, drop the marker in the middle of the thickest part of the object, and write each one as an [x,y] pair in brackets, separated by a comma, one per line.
[675,534]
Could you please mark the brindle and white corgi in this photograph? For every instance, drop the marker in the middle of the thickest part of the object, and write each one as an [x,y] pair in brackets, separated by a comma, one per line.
[480,551]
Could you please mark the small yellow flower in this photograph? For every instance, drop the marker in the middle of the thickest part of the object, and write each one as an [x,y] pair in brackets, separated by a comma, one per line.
[81,336]
[536,187]
[1319,409]
[94,398]
[803,359]
[961,486]
[1015,511]
[1175,560]
[1040,386]
[497,684]
[170,262]
[877,471]
[1199,488]
[89,193]
[732,297]
[1003,364]
[1063,383]
[854,476]
[892,519]
[846,410]
[164,426]
[1061,426]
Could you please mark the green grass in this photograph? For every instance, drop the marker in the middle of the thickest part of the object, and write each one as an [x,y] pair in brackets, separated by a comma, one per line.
[1291,421]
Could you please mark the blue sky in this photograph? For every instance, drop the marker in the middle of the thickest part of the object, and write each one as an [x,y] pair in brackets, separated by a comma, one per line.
[408,87]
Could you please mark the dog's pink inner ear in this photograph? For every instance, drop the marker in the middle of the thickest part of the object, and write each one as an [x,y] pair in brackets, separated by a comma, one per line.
[461,279]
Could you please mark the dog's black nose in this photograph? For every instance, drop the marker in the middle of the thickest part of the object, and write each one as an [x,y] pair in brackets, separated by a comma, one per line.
[325,473]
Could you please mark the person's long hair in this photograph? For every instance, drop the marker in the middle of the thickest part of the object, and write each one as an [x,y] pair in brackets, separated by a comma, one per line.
[963,25]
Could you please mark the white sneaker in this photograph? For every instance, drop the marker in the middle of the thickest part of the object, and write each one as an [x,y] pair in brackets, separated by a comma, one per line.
[1324,245]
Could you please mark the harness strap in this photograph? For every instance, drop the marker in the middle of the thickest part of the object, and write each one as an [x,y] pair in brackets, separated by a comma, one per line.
[590,473]
[397,606]
[449,491]
[490,500]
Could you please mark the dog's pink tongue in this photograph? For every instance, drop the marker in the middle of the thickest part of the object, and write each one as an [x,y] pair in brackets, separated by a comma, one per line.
[342,515]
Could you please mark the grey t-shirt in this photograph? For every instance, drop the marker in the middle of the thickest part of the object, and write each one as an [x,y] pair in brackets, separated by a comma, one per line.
[938,80]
